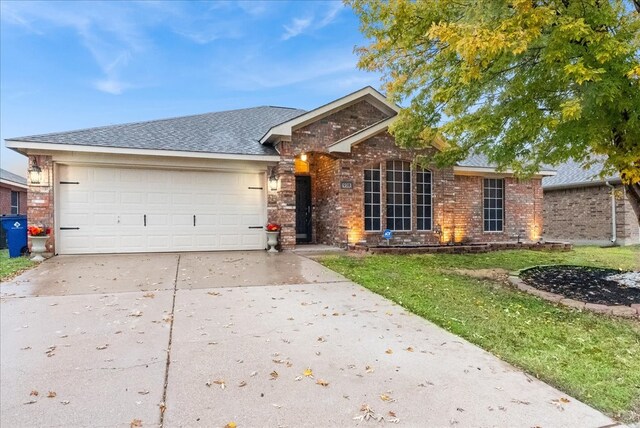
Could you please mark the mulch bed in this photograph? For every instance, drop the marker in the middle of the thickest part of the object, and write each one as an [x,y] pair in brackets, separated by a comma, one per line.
[581,283]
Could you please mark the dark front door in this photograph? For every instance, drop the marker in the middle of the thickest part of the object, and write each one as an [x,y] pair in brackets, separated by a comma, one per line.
[303,208]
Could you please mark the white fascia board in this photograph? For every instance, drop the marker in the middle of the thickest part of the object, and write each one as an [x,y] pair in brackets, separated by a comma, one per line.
[368,93]
[344,145]
[29,147]
[13,184]
[480,170]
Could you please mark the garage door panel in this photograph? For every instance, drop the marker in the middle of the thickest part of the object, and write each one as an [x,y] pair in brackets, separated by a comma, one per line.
[109,206]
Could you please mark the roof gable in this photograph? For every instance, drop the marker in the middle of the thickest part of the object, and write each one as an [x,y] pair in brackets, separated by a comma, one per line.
[284,130]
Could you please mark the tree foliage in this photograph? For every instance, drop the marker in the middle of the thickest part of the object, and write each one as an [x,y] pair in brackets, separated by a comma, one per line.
[525,82]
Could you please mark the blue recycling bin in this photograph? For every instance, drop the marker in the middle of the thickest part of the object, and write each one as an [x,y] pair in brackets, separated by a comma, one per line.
[15,227]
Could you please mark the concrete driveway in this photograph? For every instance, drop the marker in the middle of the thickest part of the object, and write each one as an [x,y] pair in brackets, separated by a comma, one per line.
[204,339]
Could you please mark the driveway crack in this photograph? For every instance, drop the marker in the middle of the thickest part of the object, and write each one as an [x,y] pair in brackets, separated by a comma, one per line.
[163,405]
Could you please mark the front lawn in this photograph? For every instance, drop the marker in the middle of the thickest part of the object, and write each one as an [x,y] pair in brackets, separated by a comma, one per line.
[593,357]
[12,267]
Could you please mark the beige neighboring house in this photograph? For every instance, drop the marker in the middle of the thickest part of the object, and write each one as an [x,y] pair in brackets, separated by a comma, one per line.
[585,209]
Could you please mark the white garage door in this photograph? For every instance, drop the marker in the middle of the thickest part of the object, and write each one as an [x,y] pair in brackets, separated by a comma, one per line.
[122,210]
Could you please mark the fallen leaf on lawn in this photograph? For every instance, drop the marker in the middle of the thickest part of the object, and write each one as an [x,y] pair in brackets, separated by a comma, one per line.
[51,394]
[136,423]
[274,375]
[231,425]
[308,372]
[101,347]
[136,314]
[34,393]
[241,384]
[149,295]
[64,402]
[143,392]
[322,382]
[409,349]
[388,351]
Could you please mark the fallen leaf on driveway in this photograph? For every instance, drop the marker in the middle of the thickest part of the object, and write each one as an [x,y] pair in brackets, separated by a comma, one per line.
[162,406]
[64,402]
[520,402]
[102,347]
[242,383]
[51,394]
[368,369]
[143,392]
[274,375]
[388,351]
[409,349]
[298,378]
[136,423]
[253,374]
[385,397]
[322,339]
[34,393]
[308,372]
[322,382]
[213,293]
[231,425]
[136,314]
[30,402]
[150,296]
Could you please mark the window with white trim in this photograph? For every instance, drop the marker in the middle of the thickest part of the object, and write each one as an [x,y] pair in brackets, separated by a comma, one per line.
[15,202]
[424,211]
[398,195]
[372,198]
[493,204]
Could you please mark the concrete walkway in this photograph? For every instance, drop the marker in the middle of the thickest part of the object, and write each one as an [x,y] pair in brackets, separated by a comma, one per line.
[203,339]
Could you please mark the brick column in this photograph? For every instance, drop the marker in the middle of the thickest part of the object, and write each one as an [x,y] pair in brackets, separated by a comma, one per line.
[40,210]
[282,203]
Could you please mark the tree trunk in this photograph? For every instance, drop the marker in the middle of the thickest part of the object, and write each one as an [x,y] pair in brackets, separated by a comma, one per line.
[633,193]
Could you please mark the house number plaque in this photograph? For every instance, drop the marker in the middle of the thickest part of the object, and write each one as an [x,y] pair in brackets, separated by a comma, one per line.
[346,185]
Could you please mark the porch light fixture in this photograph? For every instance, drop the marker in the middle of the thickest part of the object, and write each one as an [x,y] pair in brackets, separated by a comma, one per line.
[303,157]
[35,173]
[273,180]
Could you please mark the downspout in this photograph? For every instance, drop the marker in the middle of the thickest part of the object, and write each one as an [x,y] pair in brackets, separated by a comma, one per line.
[614,236]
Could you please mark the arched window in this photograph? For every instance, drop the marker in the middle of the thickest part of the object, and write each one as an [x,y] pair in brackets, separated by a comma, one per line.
[398,195]
[424,211]
[372,198]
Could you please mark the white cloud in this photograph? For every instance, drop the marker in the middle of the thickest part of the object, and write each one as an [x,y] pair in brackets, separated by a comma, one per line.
[296,27]
[111,86]
[332,13]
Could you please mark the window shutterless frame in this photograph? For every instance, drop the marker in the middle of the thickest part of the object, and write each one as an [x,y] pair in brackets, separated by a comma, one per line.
[372,199]
[399,196]
[424,200]
[493,205]
[15,202]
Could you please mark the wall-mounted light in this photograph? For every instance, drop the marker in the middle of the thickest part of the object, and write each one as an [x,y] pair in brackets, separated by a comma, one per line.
[273,180]
[35,173]
[303,157]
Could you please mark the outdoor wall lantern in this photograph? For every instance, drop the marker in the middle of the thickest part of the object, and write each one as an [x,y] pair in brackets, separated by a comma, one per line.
[303,157]
[273,180]
[35,173]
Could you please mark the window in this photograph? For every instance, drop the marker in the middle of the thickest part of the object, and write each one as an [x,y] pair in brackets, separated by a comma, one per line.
[493,204]
[398,195]
[423,196]
[372,199]
[15,202]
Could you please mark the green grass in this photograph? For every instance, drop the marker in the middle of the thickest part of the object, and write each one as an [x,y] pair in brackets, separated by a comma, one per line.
[12,267]
[593,357]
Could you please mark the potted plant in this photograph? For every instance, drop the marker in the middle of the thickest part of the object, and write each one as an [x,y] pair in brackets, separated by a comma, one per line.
[273,230]
[39,237]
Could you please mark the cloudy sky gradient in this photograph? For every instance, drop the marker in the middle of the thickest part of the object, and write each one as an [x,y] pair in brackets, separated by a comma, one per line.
[71,65]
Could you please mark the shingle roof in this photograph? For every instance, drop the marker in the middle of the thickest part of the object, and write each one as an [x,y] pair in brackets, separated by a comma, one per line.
[229,132]
[571,174]
[10,176]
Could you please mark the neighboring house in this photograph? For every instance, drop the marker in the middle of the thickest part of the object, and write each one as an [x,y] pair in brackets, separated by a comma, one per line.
[332,175]
[584,208]
[13,193]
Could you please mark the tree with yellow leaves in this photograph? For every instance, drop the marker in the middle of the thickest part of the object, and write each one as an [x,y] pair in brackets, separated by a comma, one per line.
[525,82]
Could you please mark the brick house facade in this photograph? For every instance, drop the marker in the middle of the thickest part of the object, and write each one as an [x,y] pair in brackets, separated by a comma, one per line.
[13,194]
[333,175]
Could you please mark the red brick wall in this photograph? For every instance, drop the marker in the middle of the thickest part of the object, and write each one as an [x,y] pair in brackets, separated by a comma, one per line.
[40,209]
[5,199]
[582,215]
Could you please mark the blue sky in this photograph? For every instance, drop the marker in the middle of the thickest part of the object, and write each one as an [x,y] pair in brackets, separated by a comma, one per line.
[71,65]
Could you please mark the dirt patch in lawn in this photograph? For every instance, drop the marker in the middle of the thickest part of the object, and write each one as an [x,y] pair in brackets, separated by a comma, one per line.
[495,274]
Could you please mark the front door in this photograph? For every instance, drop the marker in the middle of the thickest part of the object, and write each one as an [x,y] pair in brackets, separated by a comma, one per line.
[303,209]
